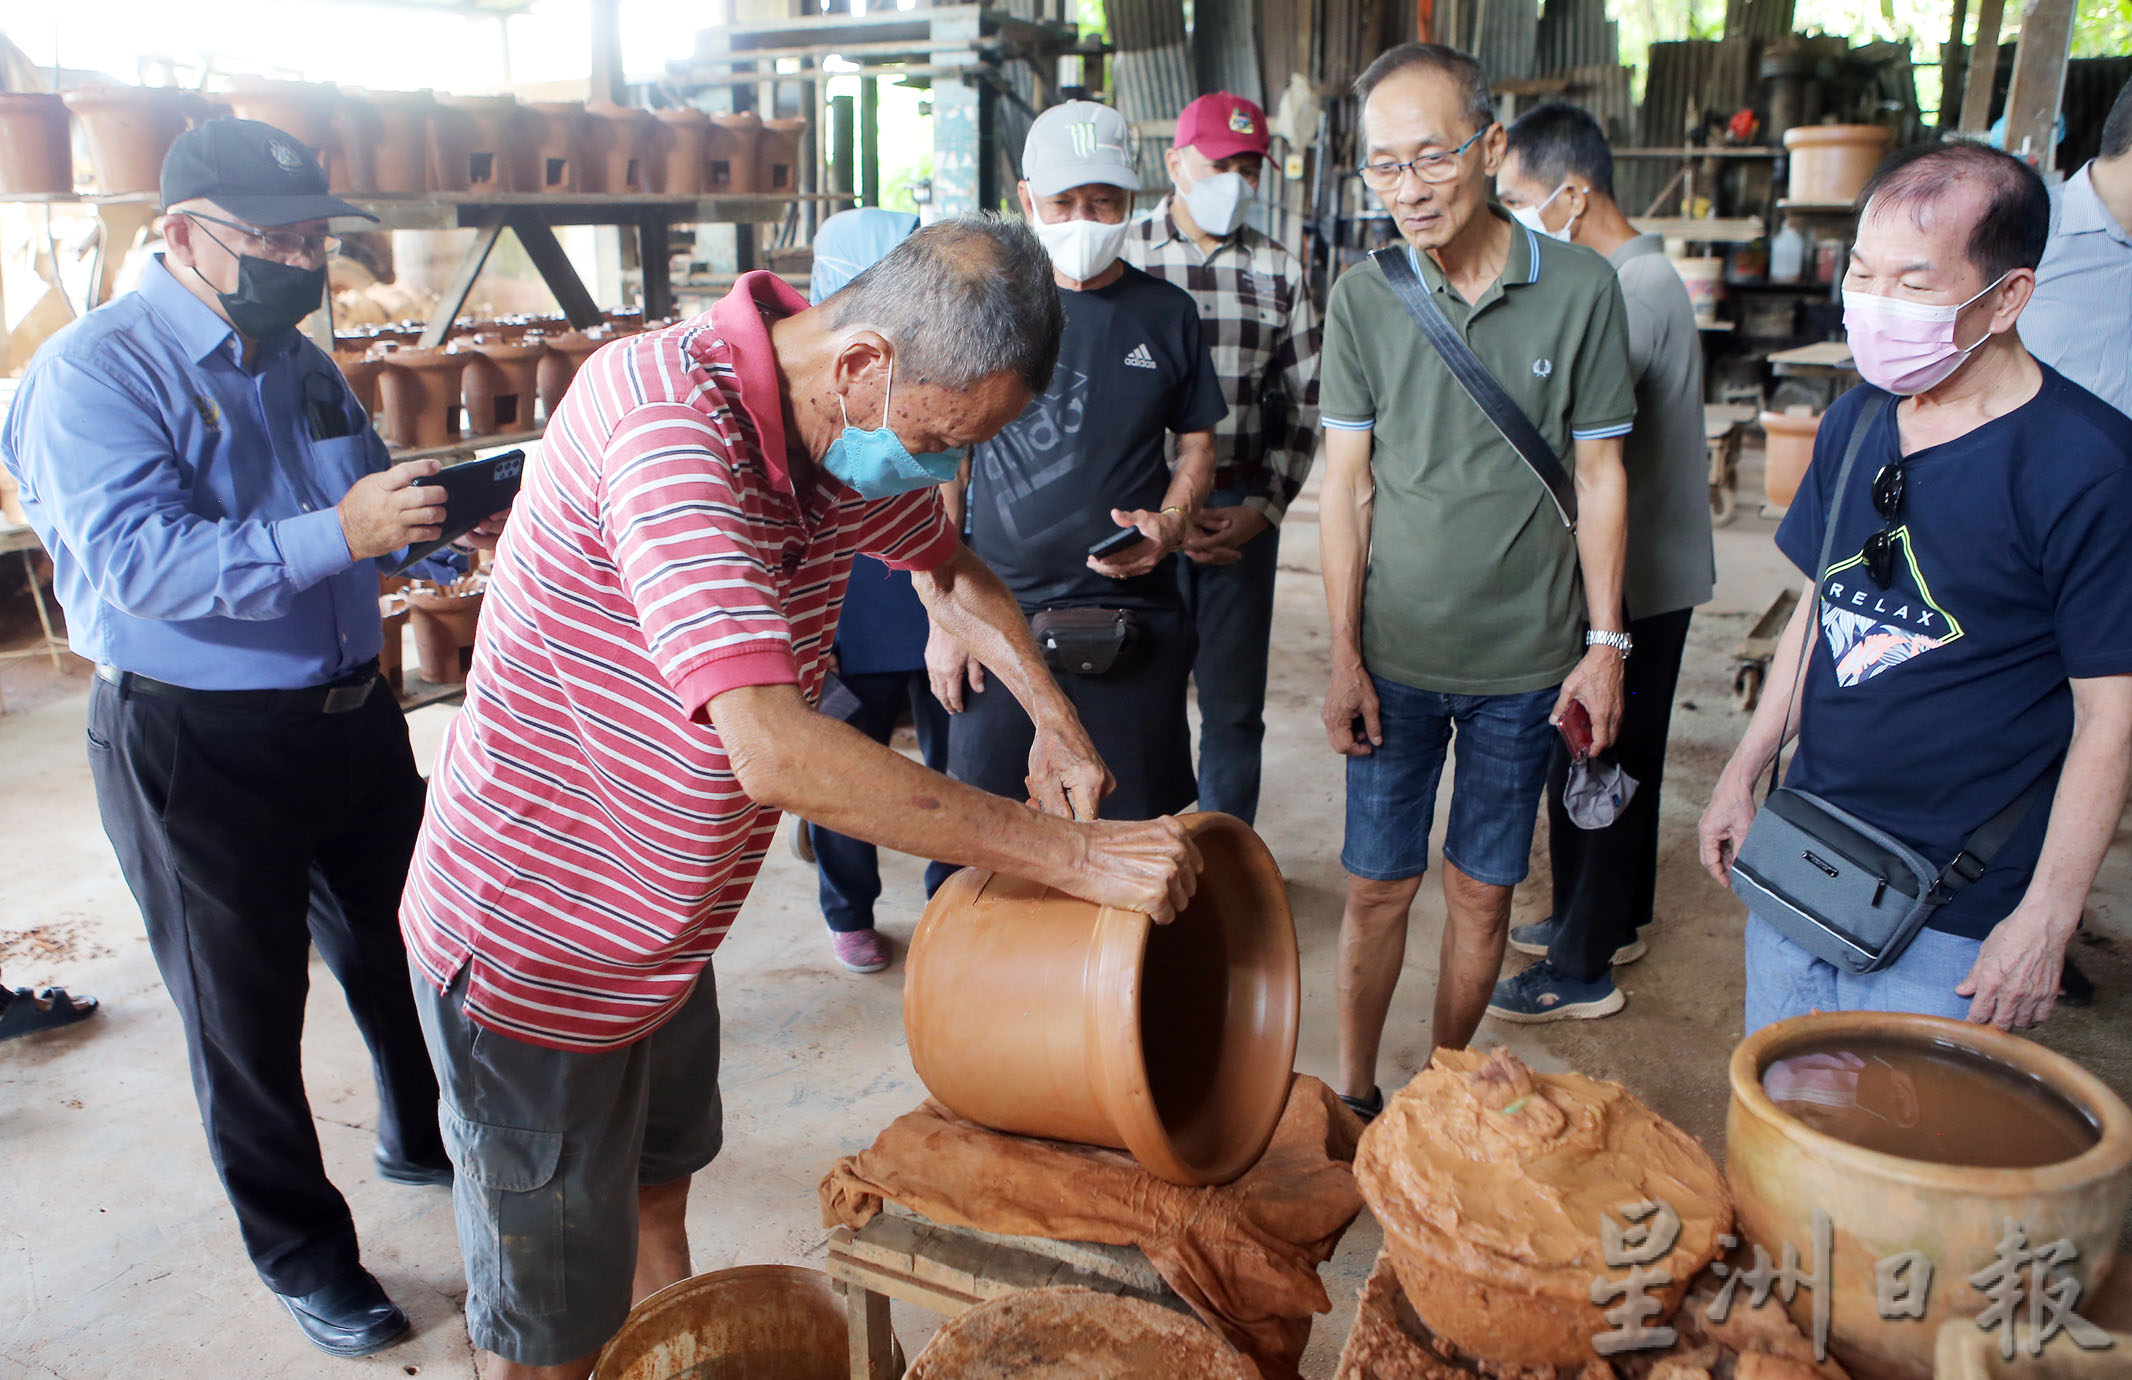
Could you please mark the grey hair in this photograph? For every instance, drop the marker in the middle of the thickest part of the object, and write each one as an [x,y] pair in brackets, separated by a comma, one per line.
[961,300]
[1476,99]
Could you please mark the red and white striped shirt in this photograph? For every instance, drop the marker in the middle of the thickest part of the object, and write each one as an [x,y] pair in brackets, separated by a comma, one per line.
[587,844]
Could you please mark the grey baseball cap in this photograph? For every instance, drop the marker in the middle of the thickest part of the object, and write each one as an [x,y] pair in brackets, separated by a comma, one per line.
[1077,143]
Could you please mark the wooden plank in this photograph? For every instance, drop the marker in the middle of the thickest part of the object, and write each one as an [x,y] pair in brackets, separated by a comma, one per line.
[1983,68]
[872,1340]
[2038,85]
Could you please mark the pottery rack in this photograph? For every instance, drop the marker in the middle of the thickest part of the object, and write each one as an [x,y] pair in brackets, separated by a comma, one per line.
[950,1270]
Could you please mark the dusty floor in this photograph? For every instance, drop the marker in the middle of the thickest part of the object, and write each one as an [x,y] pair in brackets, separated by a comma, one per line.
[117,1254]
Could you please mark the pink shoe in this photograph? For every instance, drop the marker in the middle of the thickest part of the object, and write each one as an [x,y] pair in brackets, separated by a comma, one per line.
[862,951]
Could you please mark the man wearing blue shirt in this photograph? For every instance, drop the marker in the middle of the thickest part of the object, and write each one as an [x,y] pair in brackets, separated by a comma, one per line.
[216,505]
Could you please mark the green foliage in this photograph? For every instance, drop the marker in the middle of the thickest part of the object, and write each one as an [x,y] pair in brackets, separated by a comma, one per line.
[2102,28]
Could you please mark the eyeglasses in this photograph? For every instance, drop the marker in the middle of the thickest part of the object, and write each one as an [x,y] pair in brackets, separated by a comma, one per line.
[282,244]
[1878,553]
[1429,167]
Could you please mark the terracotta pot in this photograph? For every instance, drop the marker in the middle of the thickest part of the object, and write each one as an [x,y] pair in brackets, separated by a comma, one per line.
[1076,1334]
[298,108]
[452,132]
[558,162]
[352,164]
[729,153]
[777,156]
[757,1322]
[444,624]
[36,146]
[626,320]
[392,656]
[1038,1014]
[620,140]
[1787,447]
[403,140]
[418,395]
[1882,1205]
[501,384]
[361,369]
[566,354]
[129,129]
[500,145]
[679,139]
[1830,163]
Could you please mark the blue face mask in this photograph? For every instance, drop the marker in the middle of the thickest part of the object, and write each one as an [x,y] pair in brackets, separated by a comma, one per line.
[874,464]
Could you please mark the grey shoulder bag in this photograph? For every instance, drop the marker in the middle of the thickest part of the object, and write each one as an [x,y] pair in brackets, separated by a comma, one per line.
[1845,890]
[1480,385]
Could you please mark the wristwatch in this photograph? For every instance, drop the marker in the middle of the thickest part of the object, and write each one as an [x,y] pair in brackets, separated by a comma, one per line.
[1620,642]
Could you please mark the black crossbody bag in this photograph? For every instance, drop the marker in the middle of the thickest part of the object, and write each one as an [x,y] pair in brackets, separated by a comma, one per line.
[1480,385]
[1840,888]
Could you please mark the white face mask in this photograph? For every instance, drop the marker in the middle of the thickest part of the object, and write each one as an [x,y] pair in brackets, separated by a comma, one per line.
[1217,202]
[1081,249]
[1529,217]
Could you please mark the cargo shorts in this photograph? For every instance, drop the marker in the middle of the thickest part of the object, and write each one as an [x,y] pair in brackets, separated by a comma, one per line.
[549,1148]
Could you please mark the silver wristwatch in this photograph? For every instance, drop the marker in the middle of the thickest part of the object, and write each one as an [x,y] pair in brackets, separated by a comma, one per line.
[1620,642]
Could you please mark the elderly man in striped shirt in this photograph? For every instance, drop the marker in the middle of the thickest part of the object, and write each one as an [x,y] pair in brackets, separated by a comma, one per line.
[641,709]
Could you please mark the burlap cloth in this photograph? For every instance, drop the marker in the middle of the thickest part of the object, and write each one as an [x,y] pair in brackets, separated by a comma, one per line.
[1245,1255]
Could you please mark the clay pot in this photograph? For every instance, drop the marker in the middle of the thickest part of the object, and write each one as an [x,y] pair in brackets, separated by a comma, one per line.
[626,320]
[620,140]
[558,162]
[756,1322]
[501,384]
[361,369]
[418,395]
[36,147]
[352,163]
[445,622]
[129,129]
[566,354]
[303,110]
[777,156]
[679,138]
[402,158]
[729,153]
[1787,448]
[498,147]
[452,132]
[392,656]
[1880,1205]
[1038,1014]
[1076,1334]
[1830,163]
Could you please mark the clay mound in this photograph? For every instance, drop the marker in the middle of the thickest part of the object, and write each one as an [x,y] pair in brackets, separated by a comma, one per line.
[1076,1334]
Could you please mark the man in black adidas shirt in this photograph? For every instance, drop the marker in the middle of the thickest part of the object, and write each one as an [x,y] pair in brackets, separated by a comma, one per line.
[1084,463]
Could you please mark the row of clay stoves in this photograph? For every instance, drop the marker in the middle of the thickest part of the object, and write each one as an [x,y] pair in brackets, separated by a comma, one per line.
[444,619]
[406,142]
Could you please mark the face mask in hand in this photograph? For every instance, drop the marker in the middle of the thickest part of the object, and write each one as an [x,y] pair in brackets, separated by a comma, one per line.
[875,464]
[1081,249]
[1905,347]
[1217,202]
[1529,217]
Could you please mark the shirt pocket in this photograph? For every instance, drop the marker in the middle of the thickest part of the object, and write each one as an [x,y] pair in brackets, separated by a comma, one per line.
[331,467]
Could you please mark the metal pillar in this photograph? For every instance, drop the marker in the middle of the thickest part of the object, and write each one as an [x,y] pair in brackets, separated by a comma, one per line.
[869,141]
[959,171]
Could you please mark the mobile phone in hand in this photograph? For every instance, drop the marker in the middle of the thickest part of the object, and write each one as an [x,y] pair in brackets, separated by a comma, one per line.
[1117,541]
[1576,730]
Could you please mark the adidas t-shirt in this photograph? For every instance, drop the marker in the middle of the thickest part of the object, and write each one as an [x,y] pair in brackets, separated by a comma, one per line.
[1132,368]
[1931,704]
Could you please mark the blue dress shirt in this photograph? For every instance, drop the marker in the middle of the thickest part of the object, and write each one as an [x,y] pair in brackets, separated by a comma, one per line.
[188,506]
[2080,320]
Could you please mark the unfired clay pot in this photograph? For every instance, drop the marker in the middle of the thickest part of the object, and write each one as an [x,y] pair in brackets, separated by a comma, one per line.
[402,167]
[418,395]
[1038,1014]
[566,354]
[129,129]
[501,384]
[729,153]
[558,162]
[298,108]
[445,621]
[1881,1205]
[499,146]
[1831,163]
[1076,1334]
[36,148]
[352,162]
[756,1322]
[1788,445]
[777,156]
[678,140]
[452,132]
[620,147]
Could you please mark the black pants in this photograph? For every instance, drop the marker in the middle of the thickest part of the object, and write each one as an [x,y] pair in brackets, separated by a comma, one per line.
[851,868]
[225,823]
[1605,878]
[1232,610]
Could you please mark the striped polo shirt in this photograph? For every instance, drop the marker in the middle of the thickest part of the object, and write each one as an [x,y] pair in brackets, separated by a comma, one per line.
[587,844]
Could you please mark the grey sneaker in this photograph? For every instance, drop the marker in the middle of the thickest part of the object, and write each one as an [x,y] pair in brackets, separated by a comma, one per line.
[1536,938]
[1541,994]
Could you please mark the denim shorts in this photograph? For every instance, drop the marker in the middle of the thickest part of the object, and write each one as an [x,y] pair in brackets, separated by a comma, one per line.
[1786,979]
[1503,743]
[550,1147]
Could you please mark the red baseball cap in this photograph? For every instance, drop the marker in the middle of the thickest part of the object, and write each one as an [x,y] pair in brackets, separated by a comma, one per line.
[1220,124]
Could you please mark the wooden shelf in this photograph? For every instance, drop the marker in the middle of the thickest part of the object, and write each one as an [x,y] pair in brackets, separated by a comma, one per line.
[1843,209]
[454,211]
[467,445]
[1702,229]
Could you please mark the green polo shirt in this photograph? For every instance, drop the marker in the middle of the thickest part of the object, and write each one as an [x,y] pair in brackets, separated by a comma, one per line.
[1473,586]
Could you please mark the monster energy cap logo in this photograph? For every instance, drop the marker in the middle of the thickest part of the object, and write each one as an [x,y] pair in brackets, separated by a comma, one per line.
[1083,134]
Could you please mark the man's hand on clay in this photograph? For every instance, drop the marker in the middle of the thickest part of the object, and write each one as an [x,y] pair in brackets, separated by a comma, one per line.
[1151,866]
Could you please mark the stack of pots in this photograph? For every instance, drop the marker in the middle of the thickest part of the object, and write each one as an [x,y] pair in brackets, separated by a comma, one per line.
[620,148]
[777,156]
[559,157]
[130,128]
[481,144]
[400,161]
[36,149]
[681,139]
[729,153]
[302,109]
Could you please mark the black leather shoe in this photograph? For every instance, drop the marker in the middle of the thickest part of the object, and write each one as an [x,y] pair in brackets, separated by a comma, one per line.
[1368,1108]
[420,1173]
[350,1318]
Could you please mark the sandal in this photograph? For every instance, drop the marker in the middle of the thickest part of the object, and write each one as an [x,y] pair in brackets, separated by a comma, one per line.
[24,1012]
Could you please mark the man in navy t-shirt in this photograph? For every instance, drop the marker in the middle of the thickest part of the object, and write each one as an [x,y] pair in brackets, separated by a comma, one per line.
[1972,633]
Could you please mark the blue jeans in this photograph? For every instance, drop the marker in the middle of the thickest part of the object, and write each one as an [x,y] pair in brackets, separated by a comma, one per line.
[1503,745]
[1785,980]
[851,868]
[1232,606]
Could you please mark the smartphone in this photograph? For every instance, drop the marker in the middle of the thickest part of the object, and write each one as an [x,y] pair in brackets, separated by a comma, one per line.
[1576,730]
[1116,542]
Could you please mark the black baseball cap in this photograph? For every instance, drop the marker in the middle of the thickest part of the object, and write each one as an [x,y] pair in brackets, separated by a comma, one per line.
[252,170]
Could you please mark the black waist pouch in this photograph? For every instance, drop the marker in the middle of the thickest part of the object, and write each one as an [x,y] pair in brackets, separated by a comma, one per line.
[1085,641]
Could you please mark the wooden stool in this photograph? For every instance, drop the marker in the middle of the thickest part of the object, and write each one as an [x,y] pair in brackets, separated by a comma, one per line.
[900,1255]
[1723,426]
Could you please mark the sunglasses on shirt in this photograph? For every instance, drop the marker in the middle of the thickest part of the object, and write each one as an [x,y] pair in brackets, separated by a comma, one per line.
[1878,553]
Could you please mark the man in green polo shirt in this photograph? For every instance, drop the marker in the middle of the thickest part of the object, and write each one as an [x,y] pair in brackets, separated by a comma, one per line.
[1461,604]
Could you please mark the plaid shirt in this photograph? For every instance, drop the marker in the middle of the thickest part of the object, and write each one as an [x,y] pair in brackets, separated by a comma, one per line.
[1262,331]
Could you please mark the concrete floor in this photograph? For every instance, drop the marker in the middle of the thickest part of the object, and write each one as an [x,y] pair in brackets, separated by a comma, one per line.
[117,1253]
